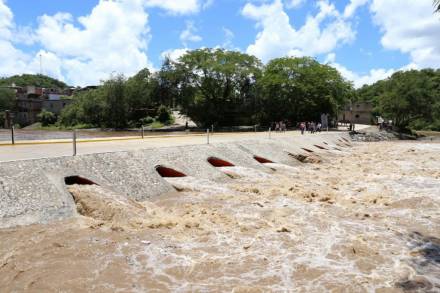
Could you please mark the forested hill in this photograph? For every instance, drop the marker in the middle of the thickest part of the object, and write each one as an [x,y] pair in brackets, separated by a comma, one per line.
[33,79]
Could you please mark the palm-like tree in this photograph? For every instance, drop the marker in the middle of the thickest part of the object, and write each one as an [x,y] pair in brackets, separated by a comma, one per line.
[437,5]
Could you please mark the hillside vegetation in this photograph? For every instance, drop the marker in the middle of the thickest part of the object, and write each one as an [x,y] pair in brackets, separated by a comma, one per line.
[33,80]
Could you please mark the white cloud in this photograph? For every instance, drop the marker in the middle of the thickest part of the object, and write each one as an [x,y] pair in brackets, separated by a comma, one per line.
[294,3]
[229,36]
[410,27]
[173,54]
[113,37]
[351,8]
[358,79]
[320,34]
[12,60]
[189,34]
[180,6]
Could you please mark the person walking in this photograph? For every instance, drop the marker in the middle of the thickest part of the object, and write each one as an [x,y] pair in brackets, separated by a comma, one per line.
[302,127]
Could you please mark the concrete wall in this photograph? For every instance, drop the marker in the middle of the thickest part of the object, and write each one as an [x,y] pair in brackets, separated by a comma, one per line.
[33,191]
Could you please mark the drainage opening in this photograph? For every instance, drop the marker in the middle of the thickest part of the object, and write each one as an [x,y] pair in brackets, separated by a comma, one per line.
[320,147]
[307,150]
[262,160]
[216,162]
[306,158]
[325,143]
[345,139]
[71,180]
[168,172]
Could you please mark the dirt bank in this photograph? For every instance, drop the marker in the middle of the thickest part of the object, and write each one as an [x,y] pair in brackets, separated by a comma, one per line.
[365,220]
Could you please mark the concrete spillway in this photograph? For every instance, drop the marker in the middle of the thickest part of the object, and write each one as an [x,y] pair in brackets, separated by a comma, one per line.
[34,191]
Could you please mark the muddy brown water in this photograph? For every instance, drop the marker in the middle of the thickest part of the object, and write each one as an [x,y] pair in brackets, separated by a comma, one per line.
[363,220]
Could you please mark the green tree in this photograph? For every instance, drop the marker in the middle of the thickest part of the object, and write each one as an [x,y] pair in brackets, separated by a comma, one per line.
[301,89]
[164,114]
[115,103]
[139,91]
[410,98]
[217,86]
[7,99]
[87,108]
[46,118]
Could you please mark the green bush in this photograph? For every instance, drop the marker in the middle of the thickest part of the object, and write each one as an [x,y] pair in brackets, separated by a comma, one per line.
[163,114]
[46,118]
[146,120]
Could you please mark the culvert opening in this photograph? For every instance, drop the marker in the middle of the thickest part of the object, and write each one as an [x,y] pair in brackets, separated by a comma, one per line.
[307,150]
[216,162]
[325,143]
[168,172]
[319,147]
[262,160]
[72,180]
[306,158]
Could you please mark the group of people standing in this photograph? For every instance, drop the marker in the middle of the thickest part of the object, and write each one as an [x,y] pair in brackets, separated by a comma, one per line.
[280,126]
[312,127]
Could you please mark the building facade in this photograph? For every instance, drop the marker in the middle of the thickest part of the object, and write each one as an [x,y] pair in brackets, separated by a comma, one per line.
[358,113]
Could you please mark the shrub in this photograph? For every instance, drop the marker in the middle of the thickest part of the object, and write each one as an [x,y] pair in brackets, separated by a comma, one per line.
[46,118]
[146,120]
[163,114]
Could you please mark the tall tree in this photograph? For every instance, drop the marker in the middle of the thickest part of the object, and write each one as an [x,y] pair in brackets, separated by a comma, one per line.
[217,86]
[301,89]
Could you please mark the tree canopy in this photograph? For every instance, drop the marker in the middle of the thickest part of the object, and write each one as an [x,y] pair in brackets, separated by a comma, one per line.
[300,89]
[217,86]
[410,98]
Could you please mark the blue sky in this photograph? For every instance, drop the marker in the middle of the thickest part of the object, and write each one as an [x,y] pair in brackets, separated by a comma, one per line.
[83,42]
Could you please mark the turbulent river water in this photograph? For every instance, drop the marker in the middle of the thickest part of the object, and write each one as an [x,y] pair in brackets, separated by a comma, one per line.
[366,219]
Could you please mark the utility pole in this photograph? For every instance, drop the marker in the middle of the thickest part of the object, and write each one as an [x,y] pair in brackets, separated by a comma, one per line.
[41,64]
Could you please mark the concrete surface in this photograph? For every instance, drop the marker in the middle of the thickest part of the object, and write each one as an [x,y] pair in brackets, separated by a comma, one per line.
[33,191]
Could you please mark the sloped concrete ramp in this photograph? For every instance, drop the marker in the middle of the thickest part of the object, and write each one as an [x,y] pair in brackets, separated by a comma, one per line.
[34,191]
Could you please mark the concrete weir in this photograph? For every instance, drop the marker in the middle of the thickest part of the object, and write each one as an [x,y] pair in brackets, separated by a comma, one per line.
[35,191]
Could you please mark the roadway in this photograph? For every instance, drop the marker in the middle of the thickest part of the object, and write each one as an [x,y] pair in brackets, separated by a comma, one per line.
[27,150]
[59,148]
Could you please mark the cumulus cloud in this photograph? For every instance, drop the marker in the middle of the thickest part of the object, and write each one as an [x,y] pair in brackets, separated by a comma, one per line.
[320,34]
[359,79]
[189,34]
[410,27]
[12,60]
[173,54]
[294,3]
[113,37]
[180,6]
[351,8]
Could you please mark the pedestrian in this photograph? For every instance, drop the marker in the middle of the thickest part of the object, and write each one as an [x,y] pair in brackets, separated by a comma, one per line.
[302,127]
[318,127]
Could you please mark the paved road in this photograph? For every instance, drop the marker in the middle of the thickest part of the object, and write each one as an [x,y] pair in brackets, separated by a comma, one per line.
[46,150]
[50,149]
